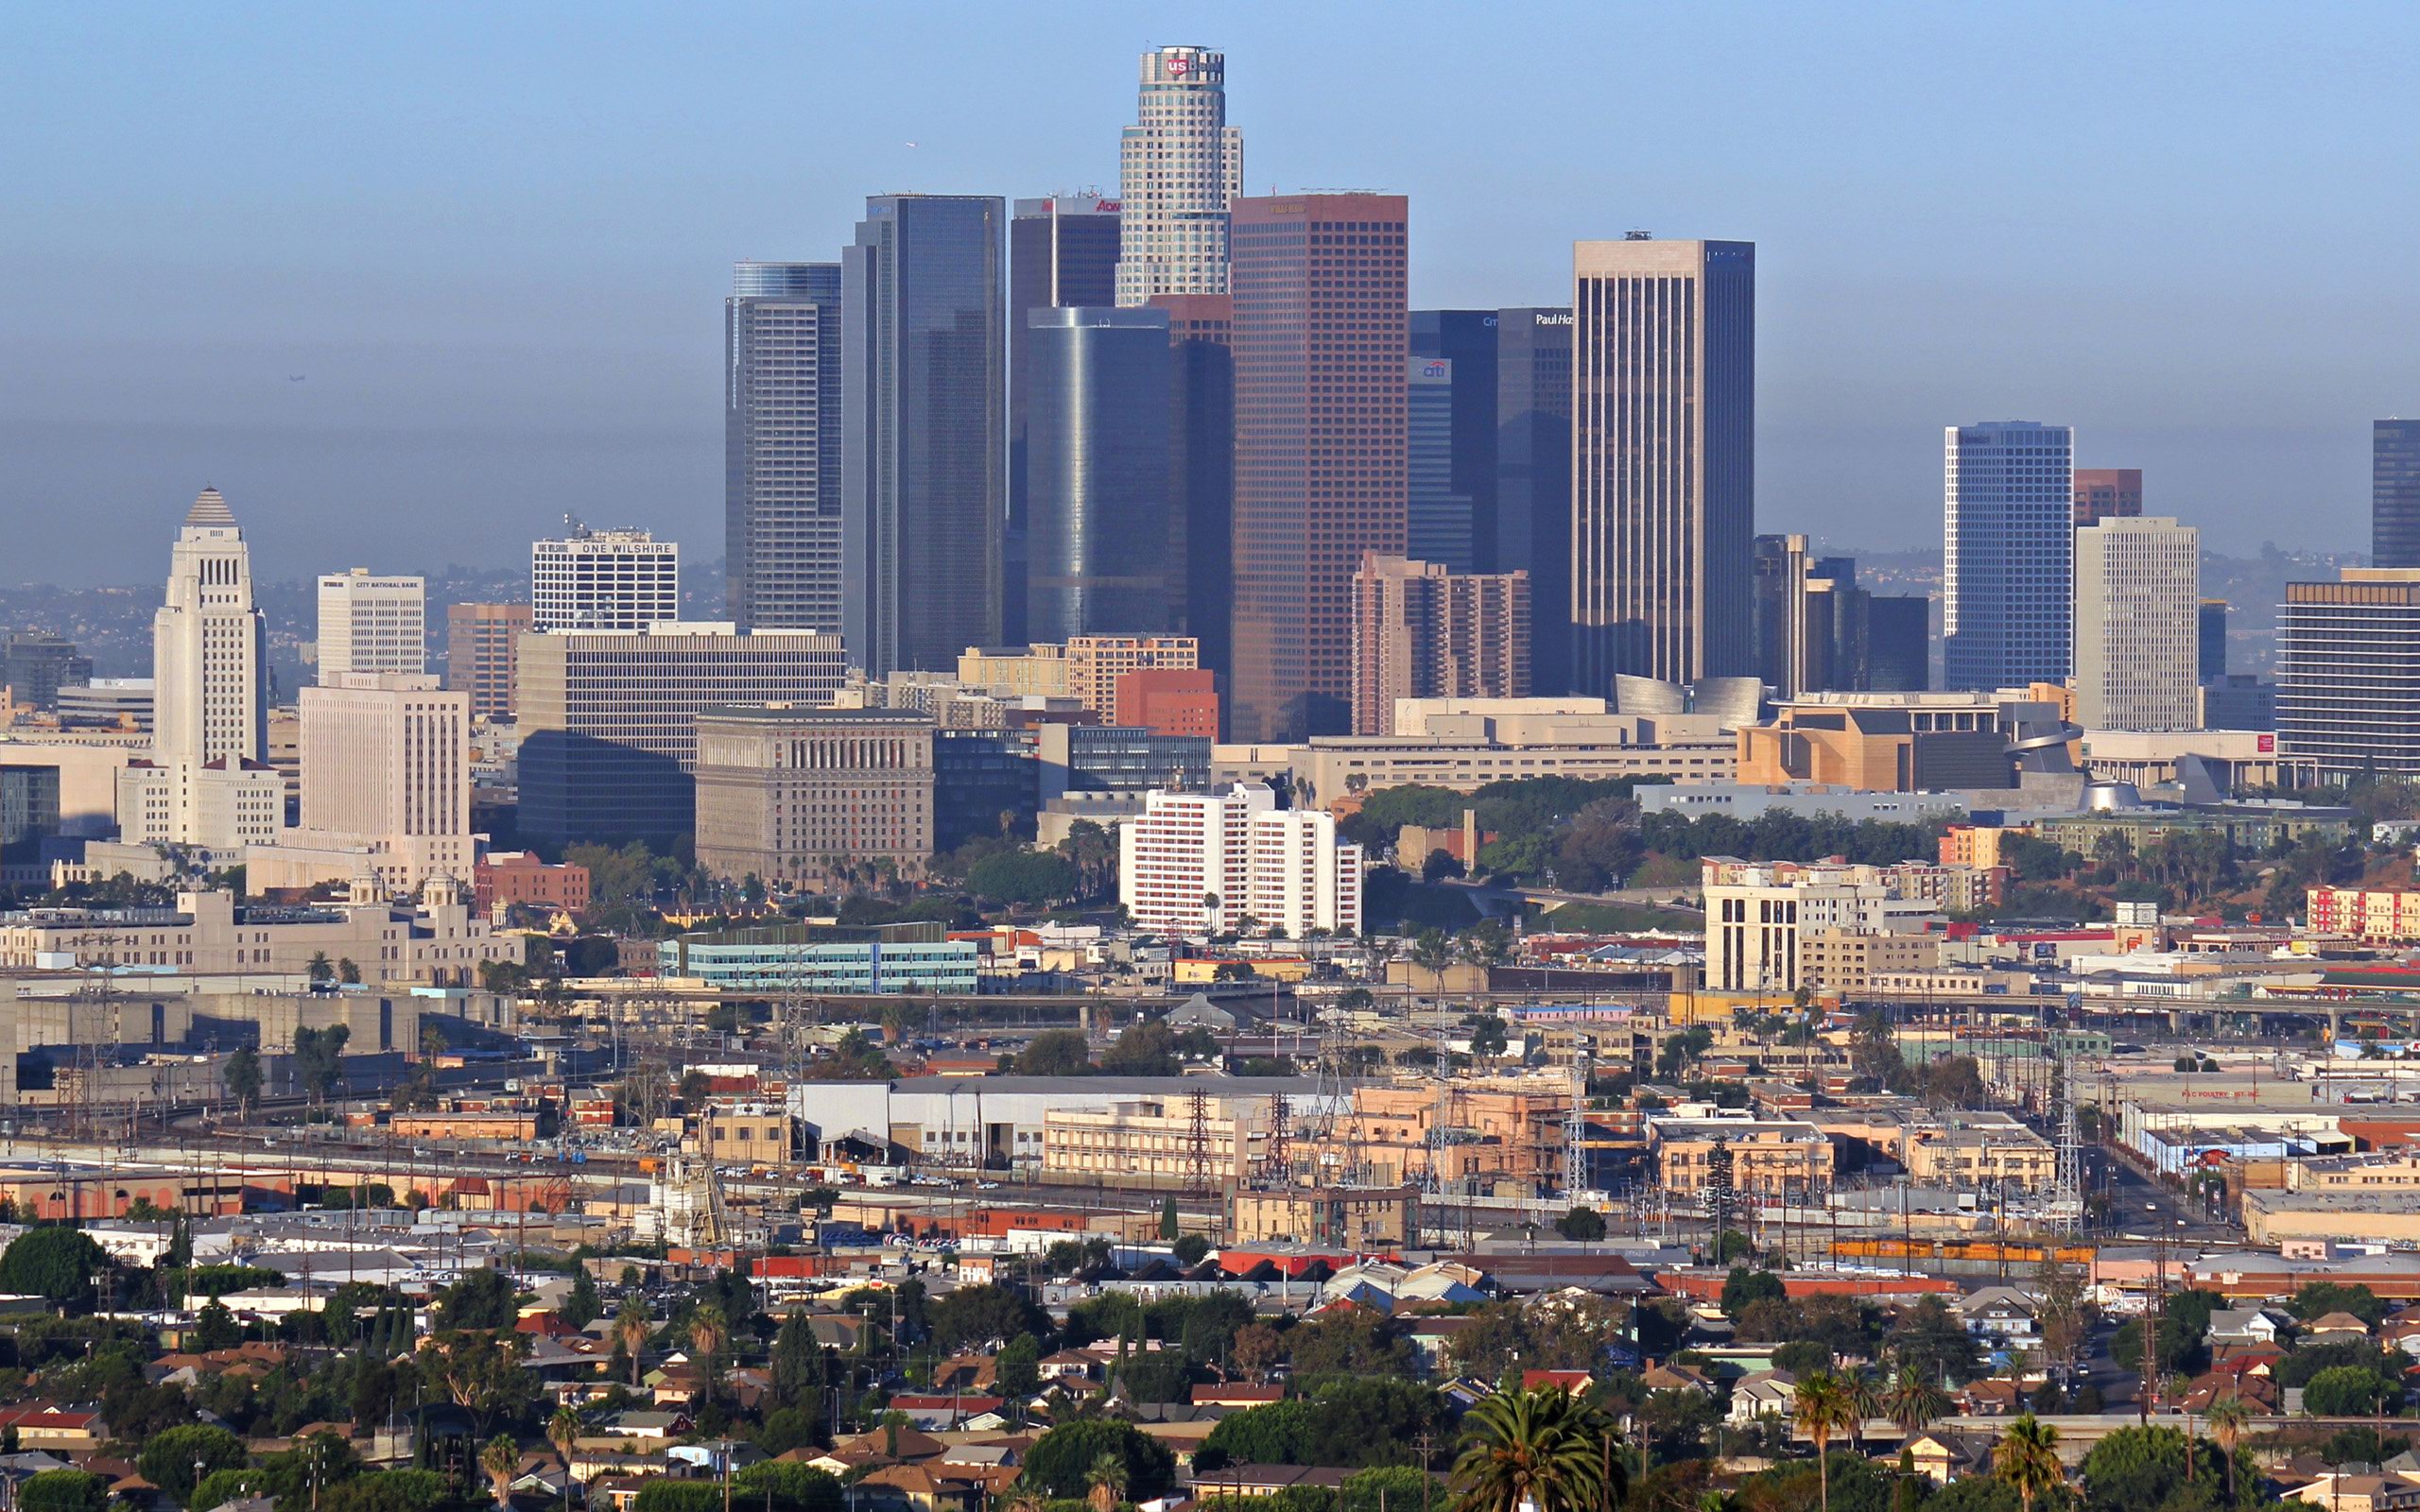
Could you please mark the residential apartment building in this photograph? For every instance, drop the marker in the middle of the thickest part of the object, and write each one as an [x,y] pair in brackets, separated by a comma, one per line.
[1421,631]
[793,796]
[482,648]
[1664,442]
[372,625]
[2138,631]
[2348,672]
[1196,862]
[609,718]
[2380,915]
[1757,913]
[1844,962]
[603,581]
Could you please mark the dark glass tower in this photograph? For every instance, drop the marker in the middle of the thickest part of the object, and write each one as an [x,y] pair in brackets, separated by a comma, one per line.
[781,446]
[1201,467]
[1467,339]
[1062,252]
[2394,493]
[923,469]
[1898,643]
[1533,480]
[1097,472]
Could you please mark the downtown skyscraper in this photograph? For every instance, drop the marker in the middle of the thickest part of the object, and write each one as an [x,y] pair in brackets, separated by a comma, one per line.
[781,446]
[1097,462]
[924,470]
[1180,167]
[2394,493]
[1534,478]
[2008,559]
[1062,254]
[1664,459]
[1320,341]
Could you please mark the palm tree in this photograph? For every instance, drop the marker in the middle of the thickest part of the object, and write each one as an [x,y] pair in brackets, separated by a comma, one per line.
[2229,1416]
[2027,1457]
[1913,1401]
[501,1458]
[1544,1448]
[1823,1408]
[1107,1482]
[708,1331]
[562,1431]
[631,1326]
[1868,1399]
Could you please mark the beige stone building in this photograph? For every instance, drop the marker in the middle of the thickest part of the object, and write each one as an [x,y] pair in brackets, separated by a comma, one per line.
[1358,1217]
[1421,631]
[1086,668]
[1986,1156]
[1148,1141]
[1504,1139]
[745,1133]
[1769,1156]
[1845,961]
[789,794]
[385,776]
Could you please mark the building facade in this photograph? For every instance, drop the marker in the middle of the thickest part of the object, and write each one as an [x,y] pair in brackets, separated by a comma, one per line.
[1196,862]
[1319,447]
[2348,671]
[609,719]
[1201,466]
[523,877]
[792,796]
[603,581]
[386,771]
[825,958]
[374,625]
[2009,552]
[437,942]
[1466,341]
[1166,701]
[1534,478]
[1663,481]
[482,647]
[780,428]
[2137,606]
[1062,252]
[1097,472]
[2106,493]
[2394,493]
[34,665]
[210,721]
[1756,915]
[1438,513]
[925,479]
[1180,167]
[1421,631]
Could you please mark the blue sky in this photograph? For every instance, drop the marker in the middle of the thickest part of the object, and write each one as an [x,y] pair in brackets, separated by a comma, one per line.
[493,240]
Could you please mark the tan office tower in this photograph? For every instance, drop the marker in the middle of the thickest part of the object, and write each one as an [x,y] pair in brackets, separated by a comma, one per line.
[1664,442]
[482,644]
[790,795]
[1180,167]
[2138,611]
[1420,631]
[386,764]
[372,624]
[1320,339]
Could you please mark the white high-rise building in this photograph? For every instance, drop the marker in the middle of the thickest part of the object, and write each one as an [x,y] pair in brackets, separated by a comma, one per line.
[386,763]
[2008,576]
[207,783]
[1192,862]
[2138,601]
[604,581]
[372,625]
[1179,165]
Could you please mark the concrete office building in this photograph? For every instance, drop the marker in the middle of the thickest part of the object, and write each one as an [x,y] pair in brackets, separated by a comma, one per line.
[1180,167]
[482,646]
[1465,744]
[2009,554]
[34,665]
[1466,340]
[109,708]
[609,719]
[603,581]
[1115,759]
[204,785]
[1438,525]
[1086,668]
[1169,702]
[386,768]
[1420,631]
[2106,493]
[1201,467]
[372,625]
[1757,913]
[925,459]
[2394,493]
[1097,472]
[2138,597]
[1193,862]
[790,795]
[1062,253]
[1534,478]
[2348,672]
[1663,438]
[1319,446]
[781,436]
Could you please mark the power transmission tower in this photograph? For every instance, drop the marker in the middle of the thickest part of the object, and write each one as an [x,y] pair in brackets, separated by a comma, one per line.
[1575,1129]
[1197,1146]
[1274,1171]
[2066,1201]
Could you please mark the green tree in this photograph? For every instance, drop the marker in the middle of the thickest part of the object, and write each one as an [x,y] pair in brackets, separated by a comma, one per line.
[1581,1224]
[1170,1224]
[320,970]
[984,1315]
[800,1373]
[2230,1419]
[1147,1049]
[2320,1298]
[61,1263]
[2137,1468]
[63,1492]
[214,1327]
[2027,1457]
[1541,1450]
[1028,878]
[319,1058]
[2350,1391]
[583,1306]
[1061,1462]
[1821,1406]
[388,1491]
[1743,1286]
[1017,1368]
[1054,1053]
[789,1487]
[483,1298]
[500,1461]
[170,1459]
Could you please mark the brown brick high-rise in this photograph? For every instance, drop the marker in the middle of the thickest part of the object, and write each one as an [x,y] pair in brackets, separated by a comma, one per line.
[1319,340]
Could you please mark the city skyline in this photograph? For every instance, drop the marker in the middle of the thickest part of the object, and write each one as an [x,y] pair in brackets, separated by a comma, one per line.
[445,408]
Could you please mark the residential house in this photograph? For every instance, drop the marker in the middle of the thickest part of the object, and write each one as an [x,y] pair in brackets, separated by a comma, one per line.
[2358,1493]
[2330,1328]
[1944,1456]
[1762,1392]
[2245,1325]
[2007,1316]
